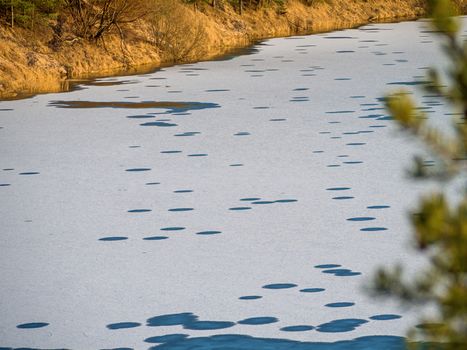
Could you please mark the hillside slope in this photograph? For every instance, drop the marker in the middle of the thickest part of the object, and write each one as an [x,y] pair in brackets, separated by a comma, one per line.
[173,33]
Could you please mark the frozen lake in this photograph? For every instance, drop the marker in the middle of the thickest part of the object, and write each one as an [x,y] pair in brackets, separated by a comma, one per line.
[252,196]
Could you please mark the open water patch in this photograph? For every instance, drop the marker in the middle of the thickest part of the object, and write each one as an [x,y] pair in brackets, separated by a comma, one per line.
[246,342]
[171,106]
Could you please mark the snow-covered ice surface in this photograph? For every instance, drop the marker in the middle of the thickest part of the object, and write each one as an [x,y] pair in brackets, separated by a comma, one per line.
[218,210]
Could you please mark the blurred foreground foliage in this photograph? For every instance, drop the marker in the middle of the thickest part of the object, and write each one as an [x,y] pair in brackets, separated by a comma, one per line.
[439,224]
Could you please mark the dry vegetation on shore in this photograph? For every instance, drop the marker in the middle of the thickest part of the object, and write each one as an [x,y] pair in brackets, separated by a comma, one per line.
[41,58]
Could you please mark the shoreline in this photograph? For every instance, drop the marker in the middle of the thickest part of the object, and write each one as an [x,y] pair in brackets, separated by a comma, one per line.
[40,79]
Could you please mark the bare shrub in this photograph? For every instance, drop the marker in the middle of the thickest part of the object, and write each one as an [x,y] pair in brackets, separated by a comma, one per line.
[92,19]
[177,31]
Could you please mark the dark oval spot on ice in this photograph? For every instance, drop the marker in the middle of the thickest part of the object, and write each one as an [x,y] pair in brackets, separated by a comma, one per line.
[183,191]
[181,209]
[188,133]
[300,328]
[279,286]
[168,338]
[354,162]
[250,199]
[327,266]
[174,228]
[286,200]
[372,229]
[170,152]
[263,202]
[258,320]
[122,325]
[378,207]
[155,238]
[138,169]
[159,124]
[386,317]
[339,112]
[5,185]
[32,325]
[139,210]
[30,173]
[152,183]
[250,297]
[198,155]
[208,325]
[171,319]
[337,188]
[240,208]
[140,116]
[113,238]
[342,325]
[340,304]
[312,290]
[208,232]
[361,218]
[342,272]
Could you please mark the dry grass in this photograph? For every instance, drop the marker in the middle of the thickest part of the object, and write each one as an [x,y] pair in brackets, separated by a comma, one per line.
[28,65]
